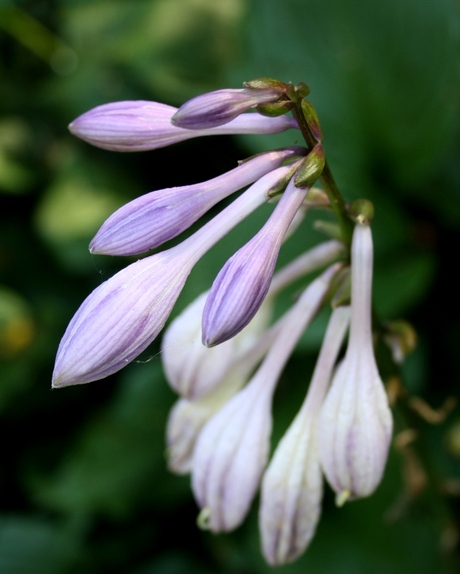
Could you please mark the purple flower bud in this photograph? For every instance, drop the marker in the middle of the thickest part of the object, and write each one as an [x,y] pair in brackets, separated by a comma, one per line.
[220,107]
[356,423]
[243,282]
[120,318]
[152,219]
[142,125]
[123,315]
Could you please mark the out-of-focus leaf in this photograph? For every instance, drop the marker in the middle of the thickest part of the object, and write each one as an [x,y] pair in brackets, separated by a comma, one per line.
[15,140]
[35,546]
[384,78]
[117,464]
[174,564]
[402,282]
[16,323]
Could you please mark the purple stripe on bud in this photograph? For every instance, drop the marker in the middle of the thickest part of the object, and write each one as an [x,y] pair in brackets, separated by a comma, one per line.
[242,284]
[230,455]
[120,318]
[220,107]
[141,125]
[156,217]
[124,314]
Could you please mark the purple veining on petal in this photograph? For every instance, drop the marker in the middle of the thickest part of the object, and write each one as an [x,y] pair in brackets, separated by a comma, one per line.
[156,217]
[242,284]
[220,107]
[142,125]
[119,319]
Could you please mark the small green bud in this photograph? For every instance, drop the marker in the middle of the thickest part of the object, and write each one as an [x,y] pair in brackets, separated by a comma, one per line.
[275,109]
[297,93]
[264,83]
[311,167]
[302,90]
[281,185]
[362,211]
[312,120]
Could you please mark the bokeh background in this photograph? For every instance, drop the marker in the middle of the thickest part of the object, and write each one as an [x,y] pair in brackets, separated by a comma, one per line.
[83,479]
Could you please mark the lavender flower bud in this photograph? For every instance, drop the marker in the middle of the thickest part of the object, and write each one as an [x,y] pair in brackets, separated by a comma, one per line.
[243,282]
[142,125]
[220,107]
[356,423]
[152,219]
[123,315]
[120,318]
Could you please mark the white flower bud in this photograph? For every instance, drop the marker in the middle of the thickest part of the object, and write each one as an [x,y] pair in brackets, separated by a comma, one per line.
[356,423]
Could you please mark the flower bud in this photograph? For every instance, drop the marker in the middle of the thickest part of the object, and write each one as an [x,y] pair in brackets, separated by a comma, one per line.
[150,220]
[230,455]
[243,282]
[356,423]
[292,485]
[216,108]
[142,125]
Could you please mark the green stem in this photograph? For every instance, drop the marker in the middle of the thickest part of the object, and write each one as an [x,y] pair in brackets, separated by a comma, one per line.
[330,187]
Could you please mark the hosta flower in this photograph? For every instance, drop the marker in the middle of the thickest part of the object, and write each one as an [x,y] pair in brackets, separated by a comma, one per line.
[232,449]
[123,315]
[141,125]
[242,284]
[292,485]
[156,217]
[356,423]
[219,429]
[217,108]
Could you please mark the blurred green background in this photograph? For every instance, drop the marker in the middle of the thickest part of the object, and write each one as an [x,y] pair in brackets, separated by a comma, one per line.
[83,479]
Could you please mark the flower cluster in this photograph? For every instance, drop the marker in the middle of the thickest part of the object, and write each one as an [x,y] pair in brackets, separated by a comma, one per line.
[223,355]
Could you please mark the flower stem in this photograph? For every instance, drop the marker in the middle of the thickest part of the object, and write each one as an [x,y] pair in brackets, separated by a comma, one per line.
[330,187]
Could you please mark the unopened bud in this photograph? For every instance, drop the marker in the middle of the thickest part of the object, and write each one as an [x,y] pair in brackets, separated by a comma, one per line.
[311,167]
